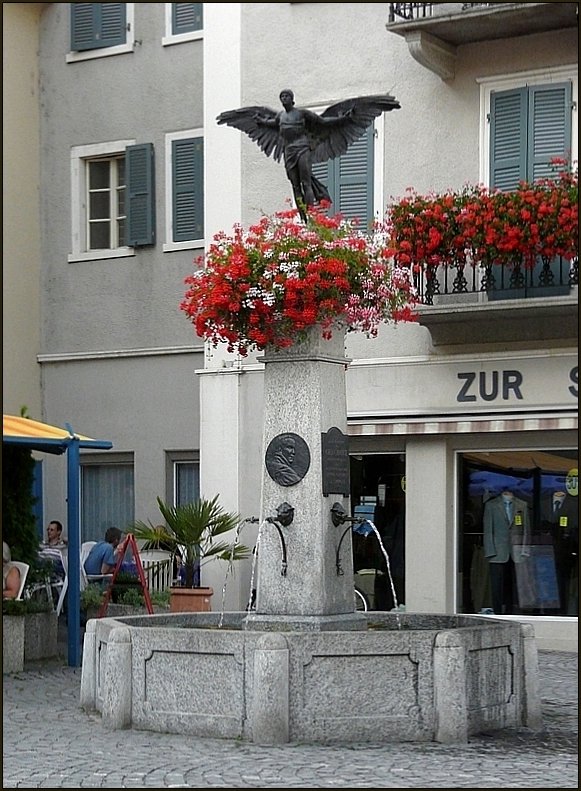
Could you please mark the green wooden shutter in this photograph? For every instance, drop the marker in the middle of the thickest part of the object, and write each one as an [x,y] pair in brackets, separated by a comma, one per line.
[549,128]
[188,189]
[140,175]
[508,128]
[186,17]
[97,25]
[349,179]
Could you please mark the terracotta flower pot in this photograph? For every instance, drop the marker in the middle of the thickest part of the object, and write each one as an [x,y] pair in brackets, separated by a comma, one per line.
[190,599]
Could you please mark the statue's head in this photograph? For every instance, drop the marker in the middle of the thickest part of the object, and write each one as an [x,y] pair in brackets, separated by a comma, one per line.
[287,92]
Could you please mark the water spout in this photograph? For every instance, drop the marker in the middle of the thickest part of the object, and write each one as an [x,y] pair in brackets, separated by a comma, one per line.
[249,520]
[253,570]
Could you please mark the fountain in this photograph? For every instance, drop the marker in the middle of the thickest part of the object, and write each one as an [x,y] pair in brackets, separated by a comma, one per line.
[304,665]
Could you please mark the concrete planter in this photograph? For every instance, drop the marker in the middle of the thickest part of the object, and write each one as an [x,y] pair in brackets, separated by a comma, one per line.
[40,636]
[12,643]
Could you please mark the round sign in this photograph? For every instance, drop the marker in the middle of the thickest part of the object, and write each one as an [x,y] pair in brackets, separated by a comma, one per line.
[572,482]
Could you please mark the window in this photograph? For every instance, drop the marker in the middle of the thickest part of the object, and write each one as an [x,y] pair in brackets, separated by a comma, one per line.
[107,497]
[106,203]
[378,495]
[184,190]
[113,199]
[529,126]
[183,22]
[523,560]
[527,121]
[100,29]
[183,477]
[349,179]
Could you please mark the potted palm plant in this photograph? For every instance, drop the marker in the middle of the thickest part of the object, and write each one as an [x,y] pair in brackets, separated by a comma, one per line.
[192,533]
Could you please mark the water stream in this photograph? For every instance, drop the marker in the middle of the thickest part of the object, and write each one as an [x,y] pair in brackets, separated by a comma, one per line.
[251,520]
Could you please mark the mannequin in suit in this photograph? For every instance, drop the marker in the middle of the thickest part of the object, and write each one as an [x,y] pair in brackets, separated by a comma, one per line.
[506,526]
[560,519]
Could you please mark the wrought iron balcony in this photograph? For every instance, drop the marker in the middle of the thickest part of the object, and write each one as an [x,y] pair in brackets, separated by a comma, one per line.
[467,305]
[433,31]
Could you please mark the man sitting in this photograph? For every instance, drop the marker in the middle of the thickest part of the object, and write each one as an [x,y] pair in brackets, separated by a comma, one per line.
[102,558]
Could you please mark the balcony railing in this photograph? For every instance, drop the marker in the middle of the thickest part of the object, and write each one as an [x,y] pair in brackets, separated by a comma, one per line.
[409,11]
[550,277]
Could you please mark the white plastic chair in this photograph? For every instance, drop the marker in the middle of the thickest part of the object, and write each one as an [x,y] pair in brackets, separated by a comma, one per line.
[157,567]
[86,579]
[23,568]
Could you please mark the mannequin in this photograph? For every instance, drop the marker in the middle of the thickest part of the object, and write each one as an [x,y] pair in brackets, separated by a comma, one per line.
[560,519]
[506,526]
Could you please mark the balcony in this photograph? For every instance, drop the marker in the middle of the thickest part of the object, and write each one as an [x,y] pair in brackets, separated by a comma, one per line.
[433,31]
[479,305]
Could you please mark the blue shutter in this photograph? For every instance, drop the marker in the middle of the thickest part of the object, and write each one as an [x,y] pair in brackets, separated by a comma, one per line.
[355,177]
[140,175]
[508,128]
[186,17]
[188,189]
[97,25]
[349,179]
[549,128]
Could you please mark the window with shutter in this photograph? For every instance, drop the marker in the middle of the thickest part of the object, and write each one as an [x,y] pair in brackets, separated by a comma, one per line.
[140,175]
[184,190]
[186,17]
[97,25]
[529,127]
[349,179]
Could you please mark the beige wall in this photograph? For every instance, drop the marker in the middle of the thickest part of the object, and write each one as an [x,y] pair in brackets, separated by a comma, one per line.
[21,229]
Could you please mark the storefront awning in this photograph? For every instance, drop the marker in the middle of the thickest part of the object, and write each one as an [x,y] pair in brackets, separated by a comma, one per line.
[45,438]
[464,424]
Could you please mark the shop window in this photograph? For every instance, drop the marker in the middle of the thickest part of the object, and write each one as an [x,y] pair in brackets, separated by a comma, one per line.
[378,494]
[519,532]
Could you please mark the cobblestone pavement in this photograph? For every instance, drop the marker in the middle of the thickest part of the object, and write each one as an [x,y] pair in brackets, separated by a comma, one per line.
[49,742]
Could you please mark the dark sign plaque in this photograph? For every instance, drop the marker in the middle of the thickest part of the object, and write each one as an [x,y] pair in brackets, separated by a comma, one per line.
[335,462]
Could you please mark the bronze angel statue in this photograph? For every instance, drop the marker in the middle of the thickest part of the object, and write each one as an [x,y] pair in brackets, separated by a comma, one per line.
[303,137]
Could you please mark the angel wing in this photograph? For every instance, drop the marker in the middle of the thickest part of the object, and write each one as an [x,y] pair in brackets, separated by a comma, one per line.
[245,119]
[353,117]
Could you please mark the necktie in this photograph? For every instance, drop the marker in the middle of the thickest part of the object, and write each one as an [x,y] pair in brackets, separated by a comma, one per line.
[508,507]
[557,506]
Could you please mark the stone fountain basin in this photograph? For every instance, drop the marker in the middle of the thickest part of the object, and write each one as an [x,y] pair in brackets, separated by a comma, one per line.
[401,677]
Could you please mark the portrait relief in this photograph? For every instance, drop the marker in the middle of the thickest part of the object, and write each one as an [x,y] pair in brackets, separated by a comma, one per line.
[287,459]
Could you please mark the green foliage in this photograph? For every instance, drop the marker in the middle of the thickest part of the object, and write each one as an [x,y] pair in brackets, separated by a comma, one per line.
[132,597]
[18,522]
[159,598]
[191,531]
[24,606]
[92,597]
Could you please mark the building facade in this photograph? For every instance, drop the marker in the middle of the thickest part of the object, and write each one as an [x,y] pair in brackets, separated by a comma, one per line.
[476,399]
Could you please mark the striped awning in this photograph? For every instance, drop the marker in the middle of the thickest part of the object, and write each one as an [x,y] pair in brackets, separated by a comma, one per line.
[465,424]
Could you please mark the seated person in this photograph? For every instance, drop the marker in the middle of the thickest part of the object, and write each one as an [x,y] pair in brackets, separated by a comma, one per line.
[10,574]
[52,547]
[102,558]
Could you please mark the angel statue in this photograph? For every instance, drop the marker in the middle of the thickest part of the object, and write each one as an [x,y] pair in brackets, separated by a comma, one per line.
[304,137]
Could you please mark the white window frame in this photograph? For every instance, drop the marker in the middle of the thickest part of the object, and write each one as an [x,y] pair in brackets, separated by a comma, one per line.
[171,38]
[119,49]
[169,245]
[520,80]
[79,157]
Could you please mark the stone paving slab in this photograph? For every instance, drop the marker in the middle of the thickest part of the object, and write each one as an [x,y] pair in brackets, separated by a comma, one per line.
[49,742]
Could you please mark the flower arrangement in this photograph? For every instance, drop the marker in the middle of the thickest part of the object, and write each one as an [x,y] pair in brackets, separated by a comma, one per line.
[269,284]
[481,226]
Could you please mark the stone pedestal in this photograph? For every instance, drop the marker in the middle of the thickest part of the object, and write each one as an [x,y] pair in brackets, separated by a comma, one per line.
[306,471]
